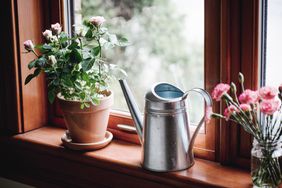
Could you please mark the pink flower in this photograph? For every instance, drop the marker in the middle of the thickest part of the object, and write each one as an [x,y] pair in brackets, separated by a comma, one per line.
[267,92]
[97,20]
[248,97]
[56,28]
[219,91]
[245,107]
[229,111]
[269,106]
[28,45]
[208,114]
[47,34]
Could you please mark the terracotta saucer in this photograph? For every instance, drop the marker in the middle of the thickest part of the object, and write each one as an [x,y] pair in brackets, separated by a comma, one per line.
[67,142]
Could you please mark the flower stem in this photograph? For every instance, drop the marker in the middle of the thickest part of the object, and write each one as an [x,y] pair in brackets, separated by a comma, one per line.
[35,53]
[100,55]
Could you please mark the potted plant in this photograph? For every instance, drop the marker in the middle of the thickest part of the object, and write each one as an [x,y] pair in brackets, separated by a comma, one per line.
[78,75]
[259,113]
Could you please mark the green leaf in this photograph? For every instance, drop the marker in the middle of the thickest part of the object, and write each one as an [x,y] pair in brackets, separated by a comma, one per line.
[75,56]
[85,77]
[51,96]
[87,105]
[67,82]
[103,30]
[45,48]
[82,96]
[87,64]
[78,85]
[32,64]
[103,41]
[82,106]
[64,44]
[38,46]
[31,76]
[51,85]
[88,24]
[74,45]
[89,34]
[96,51]
[113,39]
[95,101]
[41,61]
[63,37]
[28,78]
[123,42]
[36,72]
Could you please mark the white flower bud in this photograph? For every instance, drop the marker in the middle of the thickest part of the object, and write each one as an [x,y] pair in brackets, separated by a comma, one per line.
[56,28]
[28,45]
[52,59]
[47,34]
[54,39]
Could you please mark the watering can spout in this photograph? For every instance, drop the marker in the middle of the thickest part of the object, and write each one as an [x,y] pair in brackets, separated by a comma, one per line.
[133,108]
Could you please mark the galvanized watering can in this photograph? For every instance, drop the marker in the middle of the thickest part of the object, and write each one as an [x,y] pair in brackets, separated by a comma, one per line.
[164,133]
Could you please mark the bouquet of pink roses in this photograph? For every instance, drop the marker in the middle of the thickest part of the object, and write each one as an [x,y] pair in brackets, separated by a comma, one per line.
[259,113]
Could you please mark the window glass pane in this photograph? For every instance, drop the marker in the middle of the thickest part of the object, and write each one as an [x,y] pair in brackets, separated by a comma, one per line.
[167,38]
[273,43]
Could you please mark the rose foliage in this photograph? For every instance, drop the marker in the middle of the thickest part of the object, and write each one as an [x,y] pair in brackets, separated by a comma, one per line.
[73,65]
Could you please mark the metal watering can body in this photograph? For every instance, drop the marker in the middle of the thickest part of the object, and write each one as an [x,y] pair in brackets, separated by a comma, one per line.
[164,133]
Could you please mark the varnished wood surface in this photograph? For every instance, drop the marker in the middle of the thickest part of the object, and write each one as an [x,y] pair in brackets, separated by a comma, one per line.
[41,151]
[211,139]
[11,116]
[23,108]
[30,25]
[239,53]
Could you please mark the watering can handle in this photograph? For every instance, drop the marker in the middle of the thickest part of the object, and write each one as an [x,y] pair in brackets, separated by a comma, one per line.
[208,102]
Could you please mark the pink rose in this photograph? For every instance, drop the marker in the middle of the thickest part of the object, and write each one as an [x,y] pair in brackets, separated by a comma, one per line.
[97,20]
[219,91]
[248,97]
[28,45]
[269,106]
[267,92]
[245,107]
[56,28]
[208,114]
[229,111]
[47,34]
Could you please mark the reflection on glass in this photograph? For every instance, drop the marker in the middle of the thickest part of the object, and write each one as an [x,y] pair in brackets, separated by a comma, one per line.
[167,44]
[274,41]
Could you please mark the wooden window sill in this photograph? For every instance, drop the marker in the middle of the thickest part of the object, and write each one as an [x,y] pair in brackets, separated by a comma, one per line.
[46,160]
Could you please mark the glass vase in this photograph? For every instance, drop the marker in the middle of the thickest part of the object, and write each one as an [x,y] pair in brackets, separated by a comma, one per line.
[266,162]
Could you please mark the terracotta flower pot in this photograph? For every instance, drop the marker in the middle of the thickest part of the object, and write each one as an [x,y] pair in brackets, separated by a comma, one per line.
[87,125]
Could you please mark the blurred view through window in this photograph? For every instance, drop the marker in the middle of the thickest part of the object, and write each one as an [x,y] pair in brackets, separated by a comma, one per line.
[273,43]
[167,44]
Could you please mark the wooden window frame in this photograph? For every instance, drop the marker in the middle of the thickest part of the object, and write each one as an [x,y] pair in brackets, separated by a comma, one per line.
[205,141]
[235,34]
[239,53]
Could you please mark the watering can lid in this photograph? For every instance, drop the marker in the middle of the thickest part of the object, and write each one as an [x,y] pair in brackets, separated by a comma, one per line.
[164,92]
